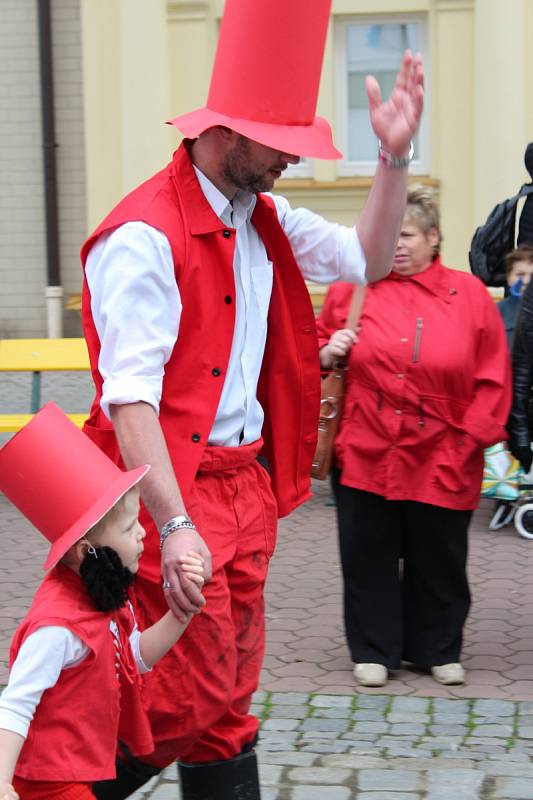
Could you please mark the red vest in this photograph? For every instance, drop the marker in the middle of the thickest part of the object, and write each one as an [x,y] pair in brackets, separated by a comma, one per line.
[73,734]
[289,384]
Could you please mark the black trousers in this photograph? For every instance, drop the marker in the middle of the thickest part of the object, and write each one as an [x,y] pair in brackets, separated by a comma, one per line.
[406,594]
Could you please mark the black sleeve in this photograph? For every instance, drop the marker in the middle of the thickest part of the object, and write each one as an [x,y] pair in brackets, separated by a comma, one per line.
[522,352]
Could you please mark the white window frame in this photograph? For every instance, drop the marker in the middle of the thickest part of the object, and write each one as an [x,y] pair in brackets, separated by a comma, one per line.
[302,170]
[345,168]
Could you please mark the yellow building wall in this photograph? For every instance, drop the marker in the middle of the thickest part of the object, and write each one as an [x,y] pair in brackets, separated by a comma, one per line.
[146,62]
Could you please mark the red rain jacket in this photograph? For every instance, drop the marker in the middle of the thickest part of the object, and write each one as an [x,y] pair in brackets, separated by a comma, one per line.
[428,386]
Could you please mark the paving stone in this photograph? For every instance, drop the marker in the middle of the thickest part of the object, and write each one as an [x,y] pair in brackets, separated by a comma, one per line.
[501,731]
[270,793]
[354,761]
[443,718]
[322,775]
[423,719]
[332,713]
[450,706]
[525,731]
[470,778]
[289,698]
[407,729]
[369,715]
[448,730]
[513,788]
[321,724]
[390,741]
[270,774]
[331,701]
[506,768]
[463,754]
[321,793]
[370,727]
[511,755]
[170,773]
[292,712]
[410,704]
[405,751]
[365,747]
[494,708]
[360,737]
[288,758]
[165,791]
[452,793]
[278,742]
[327,746]
[372,701]
[386,796]
[390,780]
[280,724]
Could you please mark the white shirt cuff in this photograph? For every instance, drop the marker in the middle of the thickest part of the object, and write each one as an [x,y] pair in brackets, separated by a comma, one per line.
[121,391]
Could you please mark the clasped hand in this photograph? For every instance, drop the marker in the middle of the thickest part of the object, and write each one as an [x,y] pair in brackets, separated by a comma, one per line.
[7,791]
[184,595]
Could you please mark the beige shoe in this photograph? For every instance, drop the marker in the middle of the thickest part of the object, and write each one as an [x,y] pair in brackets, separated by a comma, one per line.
[370,674]
[449,674]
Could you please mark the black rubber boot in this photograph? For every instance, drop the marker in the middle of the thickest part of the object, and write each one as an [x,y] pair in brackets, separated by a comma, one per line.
[131,775]
[234,779]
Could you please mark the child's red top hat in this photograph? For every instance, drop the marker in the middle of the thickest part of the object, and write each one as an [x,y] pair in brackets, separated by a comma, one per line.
[266,76]
[60,480]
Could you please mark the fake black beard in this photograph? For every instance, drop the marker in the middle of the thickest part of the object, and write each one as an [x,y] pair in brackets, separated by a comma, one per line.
[105,578]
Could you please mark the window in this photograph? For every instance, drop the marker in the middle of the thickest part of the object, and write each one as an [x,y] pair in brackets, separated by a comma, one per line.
[374,46]
[300,170]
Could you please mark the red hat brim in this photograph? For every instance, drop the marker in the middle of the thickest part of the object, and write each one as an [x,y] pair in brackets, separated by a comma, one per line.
[309,141]
[117,489]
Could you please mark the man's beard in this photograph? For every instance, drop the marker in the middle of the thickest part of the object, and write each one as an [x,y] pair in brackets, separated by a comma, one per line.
[105,578]
[236,170]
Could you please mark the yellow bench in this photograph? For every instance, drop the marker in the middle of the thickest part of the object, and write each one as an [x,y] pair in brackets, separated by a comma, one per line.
[37,356]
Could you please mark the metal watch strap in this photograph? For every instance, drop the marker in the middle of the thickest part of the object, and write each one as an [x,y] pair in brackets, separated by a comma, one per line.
[175,524]
[395,162]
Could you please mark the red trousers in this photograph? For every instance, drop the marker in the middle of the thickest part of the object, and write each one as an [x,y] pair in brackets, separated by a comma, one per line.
[51,790]
[198,695]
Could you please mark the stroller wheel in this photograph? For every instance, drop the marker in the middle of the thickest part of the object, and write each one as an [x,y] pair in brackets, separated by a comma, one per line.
[523,520]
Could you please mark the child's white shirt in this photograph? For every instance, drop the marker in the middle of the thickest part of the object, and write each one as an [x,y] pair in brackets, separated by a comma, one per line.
[40,660]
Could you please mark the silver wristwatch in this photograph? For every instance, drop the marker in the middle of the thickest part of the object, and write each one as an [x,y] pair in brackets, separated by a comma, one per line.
[175,524]
[395,162]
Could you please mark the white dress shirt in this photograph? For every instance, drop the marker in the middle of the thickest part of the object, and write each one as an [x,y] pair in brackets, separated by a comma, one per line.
[39,663]
[136,304]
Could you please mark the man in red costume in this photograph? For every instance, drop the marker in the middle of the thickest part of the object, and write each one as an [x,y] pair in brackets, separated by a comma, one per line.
[204,355]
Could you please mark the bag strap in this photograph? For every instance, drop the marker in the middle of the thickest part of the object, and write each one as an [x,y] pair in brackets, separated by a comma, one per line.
[356,307]
[354,313]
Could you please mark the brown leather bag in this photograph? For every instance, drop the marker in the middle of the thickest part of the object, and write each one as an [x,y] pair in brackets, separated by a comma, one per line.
[332,397]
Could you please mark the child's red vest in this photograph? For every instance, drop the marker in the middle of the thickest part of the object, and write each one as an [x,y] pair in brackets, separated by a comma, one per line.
[289,384]
[73,735]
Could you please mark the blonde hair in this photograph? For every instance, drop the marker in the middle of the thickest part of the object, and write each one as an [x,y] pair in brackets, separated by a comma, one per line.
[423,210]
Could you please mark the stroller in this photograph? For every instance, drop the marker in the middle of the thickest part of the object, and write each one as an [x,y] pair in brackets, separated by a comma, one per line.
[505,481]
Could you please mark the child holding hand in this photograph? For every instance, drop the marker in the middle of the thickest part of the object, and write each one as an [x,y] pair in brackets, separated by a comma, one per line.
[75,660]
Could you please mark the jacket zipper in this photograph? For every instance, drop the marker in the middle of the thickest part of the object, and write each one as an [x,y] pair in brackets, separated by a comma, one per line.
[418,336]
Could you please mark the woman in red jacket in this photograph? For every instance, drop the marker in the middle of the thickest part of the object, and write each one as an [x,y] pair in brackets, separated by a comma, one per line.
[428,388]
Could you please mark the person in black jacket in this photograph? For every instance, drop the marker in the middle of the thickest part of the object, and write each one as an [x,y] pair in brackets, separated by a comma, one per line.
[525,223]
[519,423]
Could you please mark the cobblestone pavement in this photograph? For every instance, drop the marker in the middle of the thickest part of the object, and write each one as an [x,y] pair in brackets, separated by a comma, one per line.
[321,740]
[382,747]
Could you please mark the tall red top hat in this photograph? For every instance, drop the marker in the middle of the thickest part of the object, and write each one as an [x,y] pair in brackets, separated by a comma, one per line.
[266,76]
[60,480]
